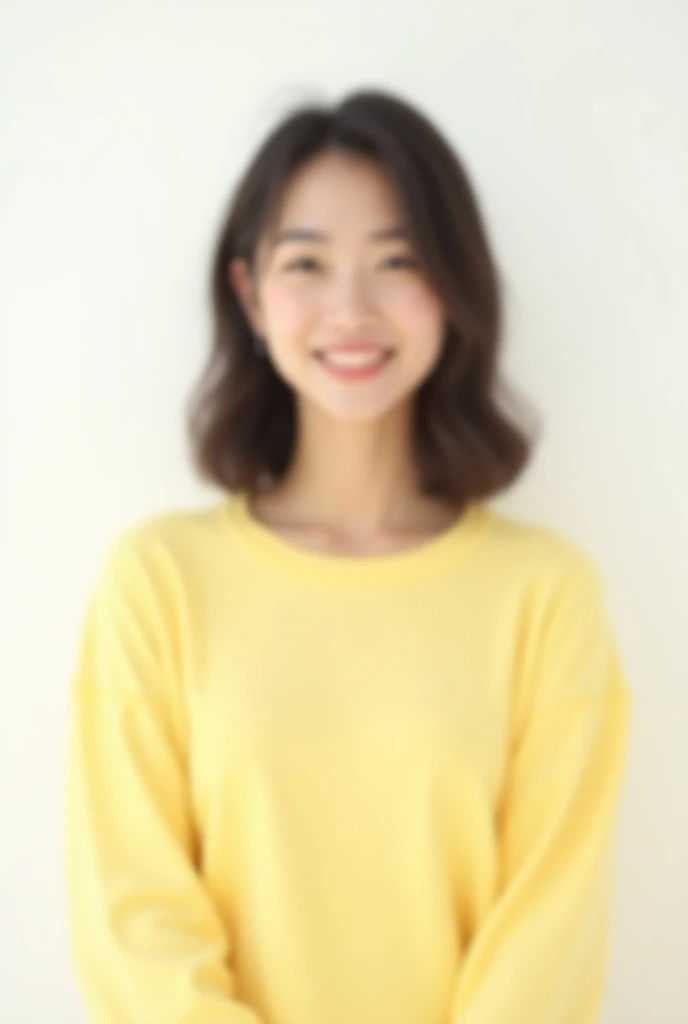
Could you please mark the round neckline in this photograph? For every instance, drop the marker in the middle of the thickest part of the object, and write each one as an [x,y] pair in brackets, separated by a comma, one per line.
[422,559]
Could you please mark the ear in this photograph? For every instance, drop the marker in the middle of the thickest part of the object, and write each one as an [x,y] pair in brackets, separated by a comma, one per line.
[244,286]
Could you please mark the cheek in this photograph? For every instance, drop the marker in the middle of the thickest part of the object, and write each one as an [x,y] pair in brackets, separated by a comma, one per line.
[285,308]
[419,306]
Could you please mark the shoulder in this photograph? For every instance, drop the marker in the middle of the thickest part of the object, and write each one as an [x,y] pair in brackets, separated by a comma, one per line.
[544,563]
[159,550]
[543,548]
[567,644]
[171,530]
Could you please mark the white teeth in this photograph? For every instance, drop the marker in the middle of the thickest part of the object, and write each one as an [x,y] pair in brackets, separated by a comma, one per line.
[354,358]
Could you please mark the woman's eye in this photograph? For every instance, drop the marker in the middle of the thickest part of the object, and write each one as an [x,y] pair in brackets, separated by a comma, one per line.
[401,262]
[308,263]
[302,263]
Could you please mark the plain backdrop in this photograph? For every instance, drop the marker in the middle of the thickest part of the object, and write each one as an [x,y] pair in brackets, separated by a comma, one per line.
[123,128]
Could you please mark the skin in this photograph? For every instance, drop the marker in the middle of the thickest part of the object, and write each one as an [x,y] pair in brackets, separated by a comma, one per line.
[352,485]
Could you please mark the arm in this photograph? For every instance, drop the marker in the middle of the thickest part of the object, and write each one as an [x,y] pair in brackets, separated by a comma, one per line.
[148,944]
[540,955]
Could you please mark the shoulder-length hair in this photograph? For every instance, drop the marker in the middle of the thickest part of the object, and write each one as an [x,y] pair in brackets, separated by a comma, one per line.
[241,416]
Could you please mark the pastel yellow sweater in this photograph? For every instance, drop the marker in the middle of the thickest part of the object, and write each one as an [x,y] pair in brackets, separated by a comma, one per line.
[314,789]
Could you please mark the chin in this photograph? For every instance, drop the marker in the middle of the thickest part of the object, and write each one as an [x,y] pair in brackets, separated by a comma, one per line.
[355,409]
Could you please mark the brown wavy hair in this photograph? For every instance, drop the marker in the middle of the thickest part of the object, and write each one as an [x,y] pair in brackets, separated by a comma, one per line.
[241,416]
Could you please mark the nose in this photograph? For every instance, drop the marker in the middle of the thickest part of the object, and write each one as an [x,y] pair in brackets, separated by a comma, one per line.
[351,302]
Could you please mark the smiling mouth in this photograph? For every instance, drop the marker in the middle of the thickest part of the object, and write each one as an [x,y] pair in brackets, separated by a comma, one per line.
[354,358]
[354,366]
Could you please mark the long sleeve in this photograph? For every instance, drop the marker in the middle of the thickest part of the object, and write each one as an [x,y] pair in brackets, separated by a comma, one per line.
[540,954]
[148,943]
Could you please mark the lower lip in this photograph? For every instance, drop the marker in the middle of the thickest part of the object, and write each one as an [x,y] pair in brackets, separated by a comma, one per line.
[355,373]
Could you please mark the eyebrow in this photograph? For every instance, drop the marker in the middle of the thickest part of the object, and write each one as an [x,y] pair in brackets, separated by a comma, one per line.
[311,235]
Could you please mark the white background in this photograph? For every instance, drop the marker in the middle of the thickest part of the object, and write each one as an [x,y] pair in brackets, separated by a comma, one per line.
[124,125]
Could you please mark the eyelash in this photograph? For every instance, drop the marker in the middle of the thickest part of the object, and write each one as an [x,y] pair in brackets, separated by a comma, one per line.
[403,263]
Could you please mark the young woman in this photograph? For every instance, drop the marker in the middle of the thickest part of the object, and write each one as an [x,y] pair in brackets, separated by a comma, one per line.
[347,746]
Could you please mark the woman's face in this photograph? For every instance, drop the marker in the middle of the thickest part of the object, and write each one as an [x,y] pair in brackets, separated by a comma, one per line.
[339,268]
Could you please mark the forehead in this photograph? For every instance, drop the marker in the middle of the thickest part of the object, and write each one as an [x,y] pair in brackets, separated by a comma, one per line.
[336,191]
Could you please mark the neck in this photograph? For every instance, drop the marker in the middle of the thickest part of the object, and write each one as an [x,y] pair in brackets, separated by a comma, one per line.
[354,478]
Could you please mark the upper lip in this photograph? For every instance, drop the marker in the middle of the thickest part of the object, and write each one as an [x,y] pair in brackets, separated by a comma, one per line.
[354,346]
